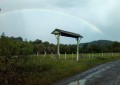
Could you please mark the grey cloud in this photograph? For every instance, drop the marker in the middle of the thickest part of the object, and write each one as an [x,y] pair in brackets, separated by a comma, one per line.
[70,3]
[104,14]
[12,25]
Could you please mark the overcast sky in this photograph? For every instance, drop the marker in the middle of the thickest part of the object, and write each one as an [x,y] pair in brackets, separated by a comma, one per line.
[36,19]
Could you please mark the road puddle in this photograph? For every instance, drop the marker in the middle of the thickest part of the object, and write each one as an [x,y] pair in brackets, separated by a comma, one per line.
[79,82]
[95,74]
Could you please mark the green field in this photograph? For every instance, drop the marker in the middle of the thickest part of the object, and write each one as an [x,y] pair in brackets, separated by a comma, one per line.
[45,70]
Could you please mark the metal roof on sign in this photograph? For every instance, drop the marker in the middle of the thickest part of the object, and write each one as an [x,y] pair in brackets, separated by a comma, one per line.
[66,33]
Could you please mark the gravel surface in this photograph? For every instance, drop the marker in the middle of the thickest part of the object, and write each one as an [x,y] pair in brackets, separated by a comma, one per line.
[105,74]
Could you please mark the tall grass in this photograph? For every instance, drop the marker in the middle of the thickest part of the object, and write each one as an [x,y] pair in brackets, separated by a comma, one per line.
[47,69]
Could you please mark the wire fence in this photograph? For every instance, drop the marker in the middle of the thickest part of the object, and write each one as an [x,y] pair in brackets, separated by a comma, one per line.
[81,55]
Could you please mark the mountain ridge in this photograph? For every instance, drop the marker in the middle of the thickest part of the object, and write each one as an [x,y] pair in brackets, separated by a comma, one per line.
[99,42]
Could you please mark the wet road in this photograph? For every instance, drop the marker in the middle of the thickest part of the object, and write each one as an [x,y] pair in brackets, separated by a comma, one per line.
[110,76]
[106,74]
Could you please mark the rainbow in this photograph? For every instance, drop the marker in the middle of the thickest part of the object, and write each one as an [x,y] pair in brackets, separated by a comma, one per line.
[56,12]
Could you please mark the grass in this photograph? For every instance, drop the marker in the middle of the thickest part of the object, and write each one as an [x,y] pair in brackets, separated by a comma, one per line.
[45,70]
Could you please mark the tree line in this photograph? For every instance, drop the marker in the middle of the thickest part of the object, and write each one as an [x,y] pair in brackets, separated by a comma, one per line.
[16,46]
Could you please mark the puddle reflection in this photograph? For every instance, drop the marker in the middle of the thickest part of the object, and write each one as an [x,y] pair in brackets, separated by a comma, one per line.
[79,82]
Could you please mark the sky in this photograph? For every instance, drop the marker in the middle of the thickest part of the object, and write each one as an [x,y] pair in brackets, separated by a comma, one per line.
[36,19]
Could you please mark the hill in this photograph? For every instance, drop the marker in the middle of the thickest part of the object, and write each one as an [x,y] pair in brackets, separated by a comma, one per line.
[99,42]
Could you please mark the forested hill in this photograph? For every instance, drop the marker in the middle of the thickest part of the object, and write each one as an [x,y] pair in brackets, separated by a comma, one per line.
[99,42]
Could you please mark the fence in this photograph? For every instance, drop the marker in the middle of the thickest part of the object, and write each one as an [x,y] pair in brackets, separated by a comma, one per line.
[81,55]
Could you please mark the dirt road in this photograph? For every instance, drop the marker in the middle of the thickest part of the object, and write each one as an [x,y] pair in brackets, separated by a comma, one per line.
[106,74]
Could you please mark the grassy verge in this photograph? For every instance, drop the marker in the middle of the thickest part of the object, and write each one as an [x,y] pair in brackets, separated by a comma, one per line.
[40,70]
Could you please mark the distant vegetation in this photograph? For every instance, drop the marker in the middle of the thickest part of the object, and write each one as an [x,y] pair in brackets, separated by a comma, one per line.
[12,46]
[24,62]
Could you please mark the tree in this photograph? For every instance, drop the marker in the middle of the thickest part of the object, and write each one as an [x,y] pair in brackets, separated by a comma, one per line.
[46,43]
[84,48]
[95,49]
[40,49]
[17,38]
[3,35]
[20,39]
[37,41]
[5,46]
[26,49]
[115,47]
[73,48]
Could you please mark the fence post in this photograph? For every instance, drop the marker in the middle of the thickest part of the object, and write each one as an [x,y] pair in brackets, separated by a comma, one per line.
[44,54]
[37,53]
